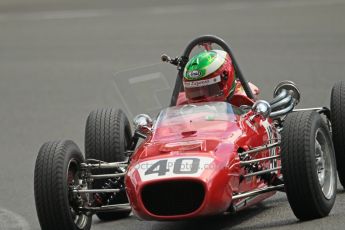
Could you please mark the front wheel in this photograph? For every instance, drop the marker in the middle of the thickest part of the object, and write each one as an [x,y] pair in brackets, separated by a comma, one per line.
[338,127]
[107,138]
[308,165]
[56,169]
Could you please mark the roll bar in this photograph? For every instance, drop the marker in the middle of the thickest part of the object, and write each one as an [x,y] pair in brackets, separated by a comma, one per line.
[185,57]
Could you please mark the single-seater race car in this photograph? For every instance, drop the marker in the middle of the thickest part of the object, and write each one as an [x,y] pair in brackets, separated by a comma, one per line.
[196,159]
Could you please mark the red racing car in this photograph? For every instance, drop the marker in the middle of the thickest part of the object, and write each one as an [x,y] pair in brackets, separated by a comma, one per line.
[196,159]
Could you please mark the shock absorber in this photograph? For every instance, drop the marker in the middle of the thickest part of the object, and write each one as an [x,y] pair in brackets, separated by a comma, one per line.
[101,199]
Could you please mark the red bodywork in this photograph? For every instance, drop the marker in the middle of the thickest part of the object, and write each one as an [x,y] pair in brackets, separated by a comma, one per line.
[218,143]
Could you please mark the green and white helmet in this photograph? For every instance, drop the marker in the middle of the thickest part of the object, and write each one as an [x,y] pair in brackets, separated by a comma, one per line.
[209,76]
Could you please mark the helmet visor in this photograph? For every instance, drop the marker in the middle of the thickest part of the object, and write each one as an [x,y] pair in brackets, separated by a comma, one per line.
[203,89]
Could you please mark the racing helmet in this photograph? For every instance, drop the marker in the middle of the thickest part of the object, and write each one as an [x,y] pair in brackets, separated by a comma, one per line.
[209,76]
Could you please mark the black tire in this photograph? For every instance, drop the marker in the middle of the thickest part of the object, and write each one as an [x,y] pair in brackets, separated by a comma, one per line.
[107,136]
[302,186]
[338,127]
[51,185]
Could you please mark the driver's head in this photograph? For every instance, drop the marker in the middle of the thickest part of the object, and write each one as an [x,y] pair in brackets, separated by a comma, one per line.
[209,76]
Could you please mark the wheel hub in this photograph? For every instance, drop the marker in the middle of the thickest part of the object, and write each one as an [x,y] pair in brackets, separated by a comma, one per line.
[320,163]
[79,218]
[324,164]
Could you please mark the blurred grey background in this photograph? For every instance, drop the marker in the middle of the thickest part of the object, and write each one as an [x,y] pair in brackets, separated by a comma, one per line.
[58,59]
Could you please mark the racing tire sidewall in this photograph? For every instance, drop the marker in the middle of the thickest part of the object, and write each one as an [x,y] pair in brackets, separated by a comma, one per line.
[51,187]
[338,127]
[107,137]
[302,186]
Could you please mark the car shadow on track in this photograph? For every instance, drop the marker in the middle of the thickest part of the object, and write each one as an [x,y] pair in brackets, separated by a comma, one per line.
[240,220]
[340,191]
[229,221]
[254,217]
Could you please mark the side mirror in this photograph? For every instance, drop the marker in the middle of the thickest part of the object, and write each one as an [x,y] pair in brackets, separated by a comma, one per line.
[291,89]
[261,108]
[143,124]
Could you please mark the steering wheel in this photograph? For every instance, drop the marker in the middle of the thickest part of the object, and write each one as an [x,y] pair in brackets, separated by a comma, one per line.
[207,41]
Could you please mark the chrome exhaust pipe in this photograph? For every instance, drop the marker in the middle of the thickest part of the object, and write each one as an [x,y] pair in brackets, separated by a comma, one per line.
[283,111]
[286,97]
[280,96]
[284,102]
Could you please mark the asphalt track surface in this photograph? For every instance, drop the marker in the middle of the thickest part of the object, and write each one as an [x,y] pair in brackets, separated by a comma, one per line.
[58,59]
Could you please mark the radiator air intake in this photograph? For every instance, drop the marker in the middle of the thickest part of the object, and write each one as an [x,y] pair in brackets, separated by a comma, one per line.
[169,198]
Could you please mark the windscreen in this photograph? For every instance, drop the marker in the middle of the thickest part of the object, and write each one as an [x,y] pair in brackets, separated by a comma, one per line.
[145,89]
[208,111]
[204,118]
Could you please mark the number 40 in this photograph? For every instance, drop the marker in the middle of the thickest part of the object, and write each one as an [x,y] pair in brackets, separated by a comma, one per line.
[181,166]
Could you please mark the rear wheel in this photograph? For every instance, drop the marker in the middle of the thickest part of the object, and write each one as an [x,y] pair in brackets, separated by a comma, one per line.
[56,169]
[308,165]
[338,127]
[107,137]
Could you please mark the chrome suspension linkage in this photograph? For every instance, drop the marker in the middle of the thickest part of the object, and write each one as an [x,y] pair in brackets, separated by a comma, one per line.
[262,172]
[104,176]
[108,208]
[96,190]
[249,162]
[258,191]
[105,165]
[261,148]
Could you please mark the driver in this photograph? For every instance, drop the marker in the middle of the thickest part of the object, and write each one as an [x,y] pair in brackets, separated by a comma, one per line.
[209,76]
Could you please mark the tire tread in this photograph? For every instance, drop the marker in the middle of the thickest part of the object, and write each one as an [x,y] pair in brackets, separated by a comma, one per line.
[105,134]
[50,187]
[298,166]
[338,127]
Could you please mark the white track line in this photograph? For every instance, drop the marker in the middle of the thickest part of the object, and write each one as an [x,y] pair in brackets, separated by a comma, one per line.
[55,15]
[160,10]
[235,6]
[13,221]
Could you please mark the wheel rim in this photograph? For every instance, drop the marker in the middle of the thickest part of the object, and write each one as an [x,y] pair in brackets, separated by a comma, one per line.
[79,219]
[324,164]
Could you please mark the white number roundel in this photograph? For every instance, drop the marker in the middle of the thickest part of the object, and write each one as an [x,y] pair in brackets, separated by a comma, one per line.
[173,167]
